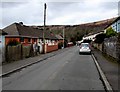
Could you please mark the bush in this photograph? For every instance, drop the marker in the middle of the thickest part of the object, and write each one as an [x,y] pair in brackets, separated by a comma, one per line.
[100,38]
[110,32]
[13,42]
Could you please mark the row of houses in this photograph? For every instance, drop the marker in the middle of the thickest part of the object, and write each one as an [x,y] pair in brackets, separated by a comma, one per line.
[111,45]
[115,26]
[27,36]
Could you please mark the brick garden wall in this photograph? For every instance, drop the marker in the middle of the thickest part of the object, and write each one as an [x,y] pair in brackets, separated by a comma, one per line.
[50,48]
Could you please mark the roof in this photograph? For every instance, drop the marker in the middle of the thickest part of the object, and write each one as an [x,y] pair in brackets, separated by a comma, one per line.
[116,19]
[2,32]
[93,33]
[18,29]
[49,35]
[59,37]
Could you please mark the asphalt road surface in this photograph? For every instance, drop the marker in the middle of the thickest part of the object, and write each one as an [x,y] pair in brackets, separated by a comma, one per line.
[65,71]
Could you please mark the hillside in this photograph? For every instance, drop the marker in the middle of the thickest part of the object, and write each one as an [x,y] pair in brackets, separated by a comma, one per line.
[76,32]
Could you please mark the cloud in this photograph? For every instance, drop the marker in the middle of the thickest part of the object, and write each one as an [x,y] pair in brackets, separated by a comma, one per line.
[119,8]
[58,13]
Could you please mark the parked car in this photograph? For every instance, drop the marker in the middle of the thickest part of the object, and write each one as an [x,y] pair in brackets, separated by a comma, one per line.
[85,48]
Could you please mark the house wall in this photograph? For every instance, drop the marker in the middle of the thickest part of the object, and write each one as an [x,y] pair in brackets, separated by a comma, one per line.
[26,41]
[34,40]
[7,39]
[116,26]
[2,49]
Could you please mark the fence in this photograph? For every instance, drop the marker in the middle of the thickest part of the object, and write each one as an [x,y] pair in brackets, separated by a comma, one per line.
[14,53]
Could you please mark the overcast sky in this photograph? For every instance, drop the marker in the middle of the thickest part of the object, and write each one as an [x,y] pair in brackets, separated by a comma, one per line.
[63,12]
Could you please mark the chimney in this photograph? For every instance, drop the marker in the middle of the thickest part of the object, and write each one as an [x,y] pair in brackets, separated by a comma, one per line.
[21,23]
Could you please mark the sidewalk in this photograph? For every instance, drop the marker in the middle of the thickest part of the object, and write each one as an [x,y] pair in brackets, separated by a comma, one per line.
[110,69]
[14,66]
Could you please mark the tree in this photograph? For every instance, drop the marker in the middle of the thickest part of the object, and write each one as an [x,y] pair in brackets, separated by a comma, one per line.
[100,38]
[110,32]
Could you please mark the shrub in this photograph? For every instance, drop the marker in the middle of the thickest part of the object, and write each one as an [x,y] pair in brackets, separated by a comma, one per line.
[100,38]
[110,32]
[13,42]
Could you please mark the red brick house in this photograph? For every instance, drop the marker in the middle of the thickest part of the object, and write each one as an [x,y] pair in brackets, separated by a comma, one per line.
[21,33]
[27,34]
[60,38]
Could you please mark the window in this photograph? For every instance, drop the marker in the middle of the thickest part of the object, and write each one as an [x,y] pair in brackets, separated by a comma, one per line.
[29,39]
[22,39]
[34,40]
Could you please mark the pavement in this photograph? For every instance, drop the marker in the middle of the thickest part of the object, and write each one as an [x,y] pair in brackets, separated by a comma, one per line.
[110,69]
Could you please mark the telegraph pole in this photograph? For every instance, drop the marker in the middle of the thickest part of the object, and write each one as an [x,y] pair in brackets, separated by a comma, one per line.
[44,29]
[63,37]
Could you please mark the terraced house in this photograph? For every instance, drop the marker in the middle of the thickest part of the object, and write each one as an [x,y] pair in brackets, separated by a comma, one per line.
[27,35]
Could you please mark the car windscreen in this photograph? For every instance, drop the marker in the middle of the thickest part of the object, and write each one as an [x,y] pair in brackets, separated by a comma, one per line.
[84,45]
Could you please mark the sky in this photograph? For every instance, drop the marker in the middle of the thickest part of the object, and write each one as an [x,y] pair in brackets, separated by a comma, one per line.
[59,12]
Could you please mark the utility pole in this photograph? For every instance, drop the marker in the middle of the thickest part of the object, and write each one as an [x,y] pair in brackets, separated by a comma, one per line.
[63,37]
[44,29]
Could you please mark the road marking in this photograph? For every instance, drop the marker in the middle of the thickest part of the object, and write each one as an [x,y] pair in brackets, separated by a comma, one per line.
[107,85]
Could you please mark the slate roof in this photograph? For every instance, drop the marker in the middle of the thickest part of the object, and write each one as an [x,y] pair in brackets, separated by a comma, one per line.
[17,29]
[2,32]
[115,20]
[59,37]
[93,33]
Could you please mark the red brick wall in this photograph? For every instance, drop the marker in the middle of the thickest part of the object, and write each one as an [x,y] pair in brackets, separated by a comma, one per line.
[7,39]
[51,48]
[26,42]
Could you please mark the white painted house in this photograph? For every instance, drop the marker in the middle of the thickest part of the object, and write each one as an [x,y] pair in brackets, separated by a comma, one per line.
[115,25]
[92,36]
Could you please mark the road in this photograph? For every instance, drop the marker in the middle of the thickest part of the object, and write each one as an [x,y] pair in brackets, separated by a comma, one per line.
[64,71]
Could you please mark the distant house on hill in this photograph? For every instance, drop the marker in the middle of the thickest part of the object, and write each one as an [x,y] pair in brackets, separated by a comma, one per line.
[91,36]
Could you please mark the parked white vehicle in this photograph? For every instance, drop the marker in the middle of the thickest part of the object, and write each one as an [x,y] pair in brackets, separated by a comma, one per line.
[85,48]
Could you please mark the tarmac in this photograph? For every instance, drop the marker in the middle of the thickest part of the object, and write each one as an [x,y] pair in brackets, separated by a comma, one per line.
[110,69]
